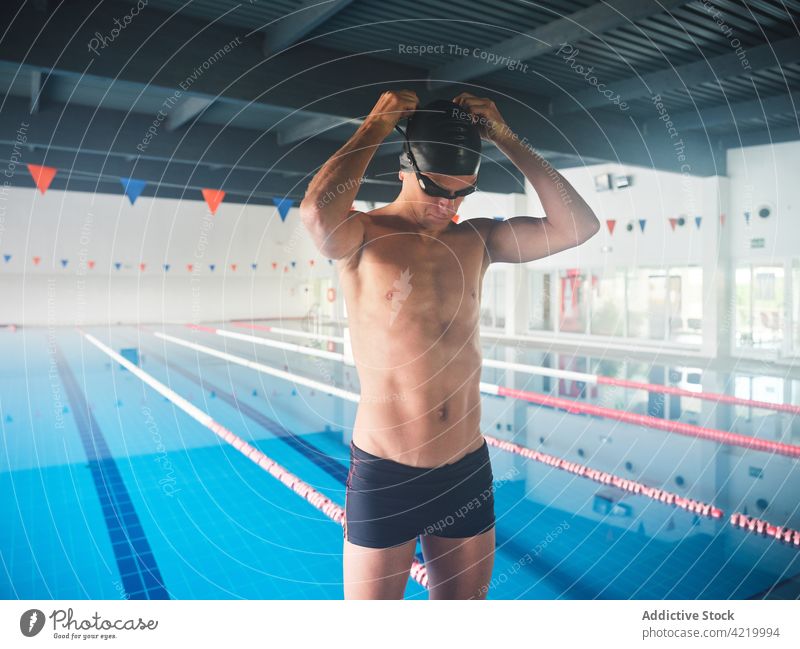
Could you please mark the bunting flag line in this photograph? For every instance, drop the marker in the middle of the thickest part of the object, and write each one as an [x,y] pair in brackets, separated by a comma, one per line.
[610,223]
[133,188]
[42,176]
[642,223]
[213,197]
[283,205]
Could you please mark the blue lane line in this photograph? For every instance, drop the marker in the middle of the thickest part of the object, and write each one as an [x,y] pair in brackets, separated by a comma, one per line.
[141,577]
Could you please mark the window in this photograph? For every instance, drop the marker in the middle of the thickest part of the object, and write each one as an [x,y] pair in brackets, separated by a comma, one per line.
[572,304]
[796,307]
[647,312]
[760,302]
[608,304]
[686,305]
[539,317]
[493,299]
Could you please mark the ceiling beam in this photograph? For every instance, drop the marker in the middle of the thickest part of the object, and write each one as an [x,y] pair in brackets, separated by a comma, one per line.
[36,91]
[731,114]
[284,32]
[761,137]
[580,25]
[305,81]
[186,111]
[769,55]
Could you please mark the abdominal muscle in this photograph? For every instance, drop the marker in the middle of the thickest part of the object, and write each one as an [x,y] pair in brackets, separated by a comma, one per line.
[422,411]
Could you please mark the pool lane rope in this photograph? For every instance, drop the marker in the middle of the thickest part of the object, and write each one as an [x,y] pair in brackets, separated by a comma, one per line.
[681,428]
[660,495]
[570,375]
[287,478]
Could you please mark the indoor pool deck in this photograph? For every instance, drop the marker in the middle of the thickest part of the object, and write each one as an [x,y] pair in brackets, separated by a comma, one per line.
[110,491]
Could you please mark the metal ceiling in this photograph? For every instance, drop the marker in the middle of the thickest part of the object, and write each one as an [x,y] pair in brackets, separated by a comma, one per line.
[290,105]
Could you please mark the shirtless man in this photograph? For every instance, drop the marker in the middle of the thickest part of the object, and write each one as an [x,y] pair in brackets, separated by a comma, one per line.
[412,281]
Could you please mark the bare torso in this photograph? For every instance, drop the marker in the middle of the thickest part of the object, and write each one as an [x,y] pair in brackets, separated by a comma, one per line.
[413,307]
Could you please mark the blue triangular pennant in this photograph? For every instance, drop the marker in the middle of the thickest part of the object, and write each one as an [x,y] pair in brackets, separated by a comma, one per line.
[294,263]
[642,223]
[7,258]
[283,205]
[697,220]
[253,266]
[166,267]
[747,218]
[133,188]
[212,267]
[64,263]
[117,265]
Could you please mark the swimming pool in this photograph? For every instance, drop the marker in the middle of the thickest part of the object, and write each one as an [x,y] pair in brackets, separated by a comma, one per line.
[111,491]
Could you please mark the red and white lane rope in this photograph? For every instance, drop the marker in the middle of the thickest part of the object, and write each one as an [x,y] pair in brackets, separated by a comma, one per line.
[751,524]
[286,332]
[301,488]
[604,477]
[267,342]
[690,430]
[571,375]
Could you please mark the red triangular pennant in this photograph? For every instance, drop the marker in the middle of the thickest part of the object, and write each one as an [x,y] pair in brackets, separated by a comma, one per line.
[610,223]
[90,263]
[36,261]
[233,267]
[142,266]
[274,265]
[189,267]
[213,198]
[673,223]
[42,176]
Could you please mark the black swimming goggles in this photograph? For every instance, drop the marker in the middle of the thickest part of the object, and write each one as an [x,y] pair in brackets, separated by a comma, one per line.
[426,184]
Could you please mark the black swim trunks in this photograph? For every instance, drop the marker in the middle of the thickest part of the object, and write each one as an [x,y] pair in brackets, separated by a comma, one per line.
[388,503]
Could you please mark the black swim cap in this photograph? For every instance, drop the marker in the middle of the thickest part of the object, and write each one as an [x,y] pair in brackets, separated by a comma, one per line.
[443,140]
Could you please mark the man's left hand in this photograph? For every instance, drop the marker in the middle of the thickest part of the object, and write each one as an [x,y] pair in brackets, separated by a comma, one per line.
[485,114]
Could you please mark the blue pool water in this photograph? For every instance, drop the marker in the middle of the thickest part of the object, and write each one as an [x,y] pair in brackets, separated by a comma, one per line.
[108,490]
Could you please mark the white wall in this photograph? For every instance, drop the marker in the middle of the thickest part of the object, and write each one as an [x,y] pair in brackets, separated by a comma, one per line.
[765,175]
[655,196]
[84,227]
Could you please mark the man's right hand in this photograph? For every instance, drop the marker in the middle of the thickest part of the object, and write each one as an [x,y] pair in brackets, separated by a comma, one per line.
[393,106]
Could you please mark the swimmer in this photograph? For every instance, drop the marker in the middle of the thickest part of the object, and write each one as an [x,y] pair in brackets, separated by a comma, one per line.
[412,277]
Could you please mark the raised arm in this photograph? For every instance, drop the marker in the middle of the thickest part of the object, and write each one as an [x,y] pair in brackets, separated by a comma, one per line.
[568,220]
[325,209]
